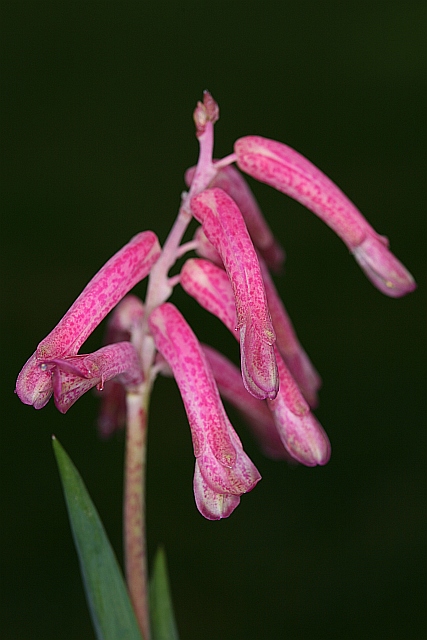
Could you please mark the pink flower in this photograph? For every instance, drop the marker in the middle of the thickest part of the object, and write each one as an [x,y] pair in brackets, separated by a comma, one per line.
[223,471]
[288,171]
[35,383]
[225,228]
[301,434]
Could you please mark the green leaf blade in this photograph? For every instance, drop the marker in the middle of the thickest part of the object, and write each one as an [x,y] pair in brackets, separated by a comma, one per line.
[108,600]
[163,626]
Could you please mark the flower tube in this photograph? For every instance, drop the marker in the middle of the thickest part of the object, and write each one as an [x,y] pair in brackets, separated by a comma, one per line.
[288,171]
[112,282]
[223,471]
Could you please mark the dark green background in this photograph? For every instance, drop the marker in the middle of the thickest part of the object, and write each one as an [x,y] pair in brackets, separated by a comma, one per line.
[97,101]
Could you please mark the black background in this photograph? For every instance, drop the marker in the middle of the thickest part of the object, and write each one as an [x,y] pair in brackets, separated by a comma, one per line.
[97,101]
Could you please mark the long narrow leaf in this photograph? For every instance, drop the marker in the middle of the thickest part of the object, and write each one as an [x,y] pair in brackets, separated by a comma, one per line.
[112,614]
[163,626]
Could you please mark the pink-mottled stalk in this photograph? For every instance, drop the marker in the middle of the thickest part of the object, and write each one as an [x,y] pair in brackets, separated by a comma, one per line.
[113,281]
[225,228]
[134,534]
[223,471]
[288,171]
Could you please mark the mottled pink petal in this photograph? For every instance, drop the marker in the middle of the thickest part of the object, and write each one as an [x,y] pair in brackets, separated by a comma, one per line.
[302,435]
[232,182]
[113,281]
[225,467]
[74,375]
[288,171]
[225,228]
[382,268]
[212,505]
[255,412]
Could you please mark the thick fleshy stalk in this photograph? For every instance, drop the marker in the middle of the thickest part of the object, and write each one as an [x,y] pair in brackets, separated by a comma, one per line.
[134,533]
[225,228]
[232,182]
[113,281]
[288,171]
[223,470]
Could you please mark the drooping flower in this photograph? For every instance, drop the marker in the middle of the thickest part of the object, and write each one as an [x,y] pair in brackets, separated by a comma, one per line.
[225,228]
[301,434]
[223,471]
[288,171]
[121,273]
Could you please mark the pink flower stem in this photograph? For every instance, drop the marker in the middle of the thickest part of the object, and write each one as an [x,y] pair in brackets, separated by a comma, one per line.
[134,508]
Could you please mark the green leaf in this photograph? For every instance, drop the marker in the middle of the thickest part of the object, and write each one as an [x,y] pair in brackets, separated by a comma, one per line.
[112,613]
[163,626]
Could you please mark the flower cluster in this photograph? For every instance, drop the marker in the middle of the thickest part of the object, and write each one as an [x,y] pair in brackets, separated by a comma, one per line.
[276,388]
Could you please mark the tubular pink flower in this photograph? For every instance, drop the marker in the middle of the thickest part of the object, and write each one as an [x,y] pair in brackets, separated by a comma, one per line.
[255,412]
[74,375]
[296,359]
[288,171]
[223,470]
[232,182]
[301,434]
[225,228]
[113,281]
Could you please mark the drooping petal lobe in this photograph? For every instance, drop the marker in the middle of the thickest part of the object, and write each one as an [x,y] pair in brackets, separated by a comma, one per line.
[301,434]
[288,171]
[382,268]
[75,375]
[211,504]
